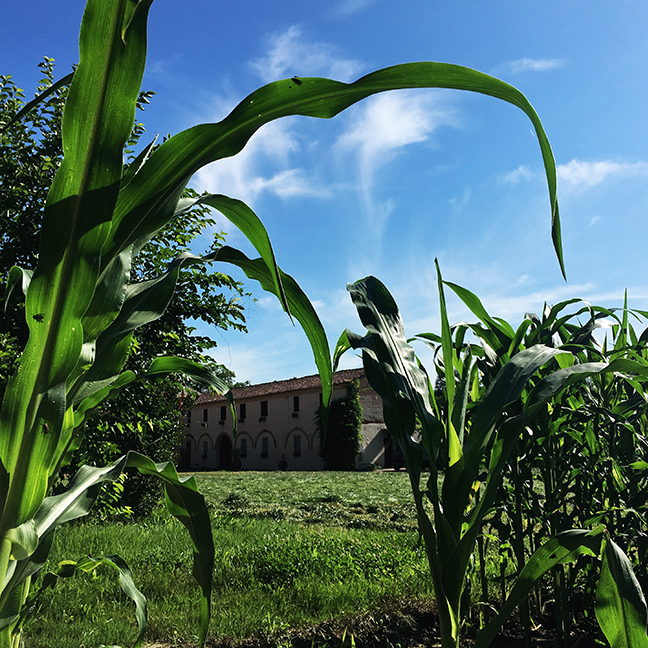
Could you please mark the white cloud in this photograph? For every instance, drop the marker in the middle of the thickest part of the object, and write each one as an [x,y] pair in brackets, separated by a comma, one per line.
[579,173]
[521,174]
[535,65]
[379,130]
[290,54]
[244,176]
[388,122]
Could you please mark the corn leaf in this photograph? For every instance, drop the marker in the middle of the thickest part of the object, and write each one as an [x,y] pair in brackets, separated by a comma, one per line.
[298,304]
[150,198]
[75,225]
[562,548]
[405,379]
[620,603]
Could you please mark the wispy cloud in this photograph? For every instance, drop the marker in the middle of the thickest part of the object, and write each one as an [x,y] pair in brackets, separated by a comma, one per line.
[246,175]
[289,53]
[349,7]
[578,173]
[459,203]
[521,174]
[535,65]
[379,130]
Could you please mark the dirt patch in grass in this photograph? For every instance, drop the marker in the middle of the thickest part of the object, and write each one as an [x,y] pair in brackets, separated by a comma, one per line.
[412,624]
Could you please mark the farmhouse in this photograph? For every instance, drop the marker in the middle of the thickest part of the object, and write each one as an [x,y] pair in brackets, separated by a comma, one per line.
[276,426]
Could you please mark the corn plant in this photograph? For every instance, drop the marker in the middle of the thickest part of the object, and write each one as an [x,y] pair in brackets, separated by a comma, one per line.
[461,442]
[586,452]
[82,306]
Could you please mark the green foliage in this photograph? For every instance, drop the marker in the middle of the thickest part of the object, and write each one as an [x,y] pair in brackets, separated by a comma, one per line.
[581,461]
[471,437]
[84,302]
[143,417]
[341,440]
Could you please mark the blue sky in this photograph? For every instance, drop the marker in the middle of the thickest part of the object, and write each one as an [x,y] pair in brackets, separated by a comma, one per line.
[404,177]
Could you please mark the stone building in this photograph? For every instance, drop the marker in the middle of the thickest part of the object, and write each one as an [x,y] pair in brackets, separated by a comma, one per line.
[276,426]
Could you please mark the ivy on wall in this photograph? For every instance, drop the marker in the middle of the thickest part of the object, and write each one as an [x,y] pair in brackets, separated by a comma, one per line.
[342,442]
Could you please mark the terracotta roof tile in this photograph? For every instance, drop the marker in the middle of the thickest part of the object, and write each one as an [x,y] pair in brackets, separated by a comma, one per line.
[281,386]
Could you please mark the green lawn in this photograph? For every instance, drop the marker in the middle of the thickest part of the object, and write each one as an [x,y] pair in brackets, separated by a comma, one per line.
[292,549]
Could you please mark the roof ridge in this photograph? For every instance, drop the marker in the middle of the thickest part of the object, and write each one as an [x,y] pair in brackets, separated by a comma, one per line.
[277,386]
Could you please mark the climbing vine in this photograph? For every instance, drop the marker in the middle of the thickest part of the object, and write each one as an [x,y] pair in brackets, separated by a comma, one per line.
[342,442]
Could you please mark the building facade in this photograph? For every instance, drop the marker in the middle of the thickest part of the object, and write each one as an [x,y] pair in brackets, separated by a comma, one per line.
[276,426]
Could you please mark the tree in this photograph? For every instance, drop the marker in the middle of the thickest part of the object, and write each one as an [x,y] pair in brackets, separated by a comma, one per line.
[30,152]
[144,417]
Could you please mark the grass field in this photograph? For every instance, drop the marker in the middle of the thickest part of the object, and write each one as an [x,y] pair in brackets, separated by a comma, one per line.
[292,550]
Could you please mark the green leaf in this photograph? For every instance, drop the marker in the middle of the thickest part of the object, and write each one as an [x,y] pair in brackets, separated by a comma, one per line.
[503,329]
[298,304]
[620,603]
[24,540]
[405,381]
[61,83]
[185,503]
[504,390]
[238,213]
[89,564]
[341,347]
[17,276]
[75,225]
[558,380]
[143,302]
[562,548]
[150,198]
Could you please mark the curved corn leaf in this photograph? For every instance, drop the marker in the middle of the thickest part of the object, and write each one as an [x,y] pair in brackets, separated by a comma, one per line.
[182,499]
[620,603]
[341,347]
[16,276]
[185,503]
[89,564]
[298,304]
[202,376]
[250,225]
[150,198]
[502,328]
[558,380]
[137,163]
[562,548]
[405,380]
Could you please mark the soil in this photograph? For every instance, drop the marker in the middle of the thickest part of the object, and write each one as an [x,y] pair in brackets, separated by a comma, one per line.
[410,625]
